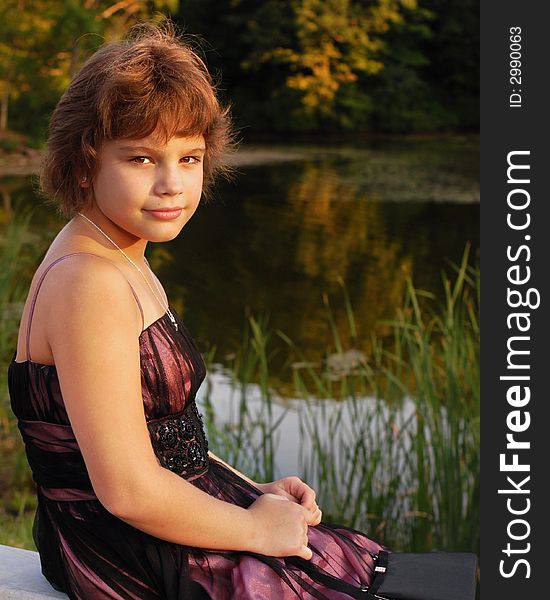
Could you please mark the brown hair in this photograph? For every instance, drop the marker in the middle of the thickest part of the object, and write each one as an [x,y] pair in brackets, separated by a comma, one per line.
[150,81]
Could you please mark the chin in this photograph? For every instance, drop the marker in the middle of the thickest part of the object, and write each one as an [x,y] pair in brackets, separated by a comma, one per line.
[165,236]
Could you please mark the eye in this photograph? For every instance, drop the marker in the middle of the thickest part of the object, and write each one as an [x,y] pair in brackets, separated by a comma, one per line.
[140,160]
[189,160]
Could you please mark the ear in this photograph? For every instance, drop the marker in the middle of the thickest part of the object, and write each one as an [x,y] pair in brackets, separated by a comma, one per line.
[84,182]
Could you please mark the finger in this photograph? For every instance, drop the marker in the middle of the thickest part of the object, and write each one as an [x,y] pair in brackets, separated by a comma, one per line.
[306,553]
[295,486]
[289,496]
[277,497]
[312,514]
[314,521]
[306,514]
[304,493]
[283,488]
[316,517]
[314,509]
[305,496]
[281,493]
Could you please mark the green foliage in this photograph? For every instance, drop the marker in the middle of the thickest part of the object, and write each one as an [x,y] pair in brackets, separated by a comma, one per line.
[333,43]
[43,44]
[19,252]
[430,81]
[403,103]
[302,60]
[339,65]
[18,248]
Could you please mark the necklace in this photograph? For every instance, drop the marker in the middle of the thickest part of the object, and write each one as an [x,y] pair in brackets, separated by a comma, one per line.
[167,309]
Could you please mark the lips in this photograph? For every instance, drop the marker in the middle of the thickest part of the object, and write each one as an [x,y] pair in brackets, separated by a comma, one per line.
[166,214]
[167,209]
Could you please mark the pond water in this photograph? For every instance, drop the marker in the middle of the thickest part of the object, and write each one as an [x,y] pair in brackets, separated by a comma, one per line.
[295,222]
[291,420]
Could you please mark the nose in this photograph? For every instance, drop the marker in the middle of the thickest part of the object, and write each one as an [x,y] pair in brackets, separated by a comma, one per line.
[169,181]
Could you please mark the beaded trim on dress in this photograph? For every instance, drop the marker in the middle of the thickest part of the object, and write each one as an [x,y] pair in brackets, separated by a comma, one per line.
[180,442]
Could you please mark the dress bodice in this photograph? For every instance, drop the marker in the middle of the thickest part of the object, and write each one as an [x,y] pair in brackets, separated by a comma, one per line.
[172,371]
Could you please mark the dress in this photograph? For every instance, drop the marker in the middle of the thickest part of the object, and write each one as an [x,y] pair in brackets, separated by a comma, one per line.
[90,554]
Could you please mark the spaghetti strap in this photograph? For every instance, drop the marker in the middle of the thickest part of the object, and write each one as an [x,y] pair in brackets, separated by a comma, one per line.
[33,303]
[139,306]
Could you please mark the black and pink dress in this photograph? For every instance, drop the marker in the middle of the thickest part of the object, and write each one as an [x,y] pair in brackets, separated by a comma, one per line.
[90,554]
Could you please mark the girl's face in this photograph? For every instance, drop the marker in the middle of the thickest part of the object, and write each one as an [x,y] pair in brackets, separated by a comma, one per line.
[137,177]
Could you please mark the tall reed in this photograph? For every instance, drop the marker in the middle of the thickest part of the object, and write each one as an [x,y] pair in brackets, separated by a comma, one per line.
[398,454]
[437,347]
[249,439]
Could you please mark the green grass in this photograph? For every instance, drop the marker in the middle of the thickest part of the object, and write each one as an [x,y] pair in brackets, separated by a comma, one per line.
[17,525]
[19,253]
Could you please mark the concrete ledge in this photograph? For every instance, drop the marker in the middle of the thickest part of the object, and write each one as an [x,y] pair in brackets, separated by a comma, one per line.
[21,577]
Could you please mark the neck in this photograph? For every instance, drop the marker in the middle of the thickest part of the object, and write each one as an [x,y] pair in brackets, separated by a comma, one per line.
[131,245]
[118,248]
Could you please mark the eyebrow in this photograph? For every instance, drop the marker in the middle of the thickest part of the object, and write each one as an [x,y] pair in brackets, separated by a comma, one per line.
[197,150]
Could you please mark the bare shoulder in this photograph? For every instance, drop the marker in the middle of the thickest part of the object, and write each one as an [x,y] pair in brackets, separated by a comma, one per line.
[83,273]
[87,293]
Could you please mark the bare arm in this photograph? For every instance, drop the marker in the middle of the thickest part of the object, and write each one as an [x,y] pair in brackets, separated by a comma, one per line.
[100,381]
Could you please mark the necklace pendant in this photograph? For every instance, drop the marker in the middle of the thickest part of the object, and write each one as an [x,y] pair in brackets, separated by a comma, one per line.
[172,318]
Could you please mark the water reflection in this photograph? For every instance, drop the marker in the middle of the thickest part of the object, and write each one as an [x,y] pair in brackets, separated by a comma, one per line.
[293,447]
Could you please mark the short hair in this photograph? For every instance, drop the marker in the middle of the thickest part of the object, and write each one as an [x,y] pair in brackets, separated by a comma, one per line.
[151,81]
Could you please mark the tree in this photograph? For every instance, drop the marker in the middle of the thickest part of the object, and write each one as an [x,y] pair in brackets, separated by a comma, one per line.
[289,61]
[336,41]
[43,44]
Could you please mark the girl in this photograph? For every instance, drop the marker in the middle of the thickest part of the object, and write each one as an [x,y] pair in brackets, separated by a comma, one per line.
[131,504]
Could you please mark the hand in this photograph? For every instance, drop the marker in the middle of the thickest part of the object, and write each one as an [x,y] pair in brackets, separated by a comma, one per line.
[281,527]
[294,489]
